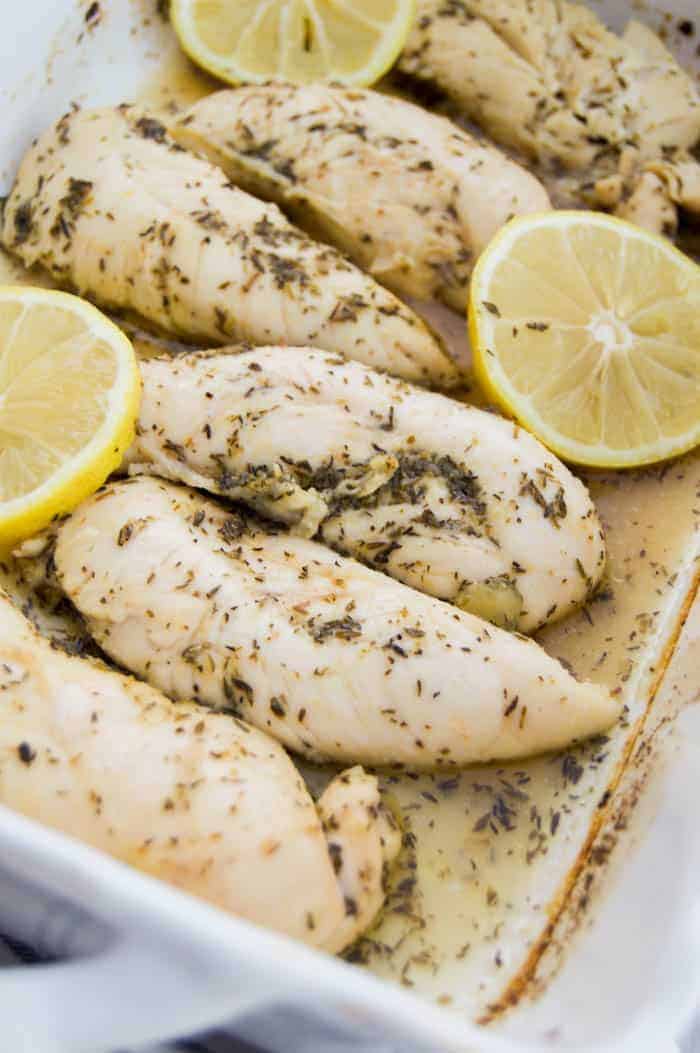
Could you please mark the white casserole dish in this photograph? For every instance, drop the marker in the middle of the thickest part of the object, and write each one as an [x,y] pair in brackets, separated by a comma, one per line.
[147,962]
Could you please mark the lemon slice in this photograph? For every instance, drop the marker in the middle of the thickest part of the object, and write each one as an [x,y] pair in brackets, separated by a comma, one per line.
[353,42]
[69,395]
[586,329]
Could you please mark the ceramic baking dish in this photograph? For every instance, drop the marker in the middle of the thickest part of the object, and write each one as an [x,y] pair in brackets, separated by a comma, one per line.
[575,924]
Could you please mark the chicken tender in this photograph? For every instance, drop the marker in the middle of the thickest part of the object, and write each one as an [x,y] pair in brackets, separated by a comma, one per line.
[609,121]
[335,660]
[451,500]
[118,212]
[408,195]
[196,798]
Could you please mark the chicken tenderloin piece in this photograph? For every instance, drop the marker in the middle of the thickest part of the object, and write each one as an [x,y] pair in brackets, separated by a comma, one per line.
[196,798]
[335,660]
[608,121]
[409,196]
[118,212]
[449,499]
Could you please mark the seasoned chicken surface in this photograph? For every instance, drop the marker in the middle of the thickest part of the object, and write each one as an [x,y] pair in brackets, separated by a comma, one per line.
[449,499]
[199,799]
[609,120]
[120,213]
[408,195]
[330,657]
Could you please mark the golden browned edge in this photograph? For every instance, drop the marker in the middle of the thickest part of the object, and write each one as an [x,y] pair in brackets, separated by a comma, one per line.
[517,987]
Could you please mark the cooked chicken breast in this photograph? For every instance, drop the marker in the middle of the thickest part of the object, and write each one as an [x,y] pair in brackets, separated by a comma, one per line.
[449,499]
[409,196]
[330,657]
[597,113]
[120,213]
[199,799]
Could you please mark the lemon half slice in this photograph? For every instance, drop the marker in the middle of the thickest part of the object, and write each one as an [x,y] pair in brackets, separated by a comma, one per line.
[586,329]
[69,395]
[350,41]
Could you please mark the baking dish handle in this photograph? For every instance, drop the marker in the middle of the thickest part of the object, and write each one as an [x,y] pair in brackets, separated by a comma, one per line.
[127,995]
[130,996]
[133,963]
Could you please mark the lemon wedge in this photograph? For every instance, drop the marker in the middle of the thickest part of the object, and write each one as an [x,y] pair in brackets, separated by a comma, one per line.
[353,42]
[69,396]
[586,329]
